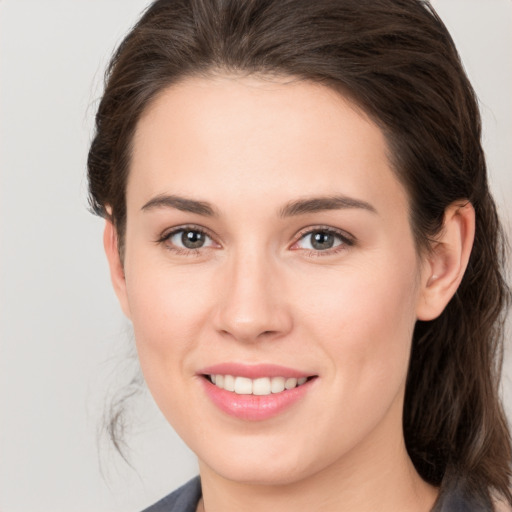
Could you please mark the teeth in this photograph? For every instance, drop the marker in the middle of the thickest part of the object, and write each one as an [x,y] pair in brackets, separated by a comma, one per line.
[290,383]
[262,386]
[277,384]
[229,383]
[243,386]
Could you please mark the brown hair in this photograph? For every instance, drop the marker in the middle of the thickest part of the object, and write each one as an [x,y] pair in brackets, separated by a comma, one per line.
[396,60]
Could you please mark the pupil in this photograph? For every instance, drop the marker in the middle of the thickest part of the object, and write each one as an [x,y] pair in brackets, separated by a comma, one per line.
[322,240]
[192,239]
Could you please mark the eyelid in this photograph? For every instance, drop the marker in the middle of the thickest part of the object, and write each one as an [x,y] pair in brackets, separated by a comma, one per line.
[347,239]
[168,233]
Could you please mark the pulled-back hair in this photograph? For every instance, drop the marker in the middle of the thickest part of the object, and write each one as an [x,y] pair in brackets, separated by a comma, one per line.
[396,61]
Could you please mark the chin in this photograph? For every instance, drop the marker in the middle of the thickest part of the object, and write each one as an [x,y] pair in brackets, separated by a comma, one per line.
[266,462]
[259,473]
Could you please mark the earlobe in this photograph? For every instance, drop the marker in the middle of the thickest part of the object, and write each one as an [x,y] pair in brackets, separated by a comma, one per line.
[110,243]
[447,261]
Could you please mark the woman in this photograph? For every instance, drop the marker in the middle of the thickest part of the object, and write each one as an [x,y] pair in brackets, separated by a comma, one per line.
[300,229]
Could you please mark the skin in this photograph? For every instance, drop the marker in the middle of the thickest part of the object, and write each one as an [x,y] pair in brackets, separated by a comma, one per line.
[258,292]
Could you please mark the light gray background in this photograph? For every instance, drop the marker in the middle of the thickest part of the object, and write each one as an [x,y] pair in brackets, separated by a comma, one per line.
[64,342]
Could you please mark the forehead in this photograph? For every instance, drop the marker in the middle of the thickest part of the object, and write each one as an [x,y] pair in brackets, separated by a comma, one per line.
[231,136]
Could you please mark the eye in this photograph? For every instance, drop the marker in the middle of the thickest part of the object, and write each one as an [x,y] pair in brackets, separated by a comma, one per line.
[187,239]
[322,240]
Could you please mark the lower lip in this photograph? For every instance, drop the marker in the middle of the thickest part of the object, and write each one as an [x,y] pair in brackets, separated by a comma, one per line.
[254,407]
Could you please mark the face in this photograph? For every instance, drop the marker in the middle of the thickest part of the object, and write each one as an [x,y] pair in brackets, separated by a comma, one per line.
[269,251]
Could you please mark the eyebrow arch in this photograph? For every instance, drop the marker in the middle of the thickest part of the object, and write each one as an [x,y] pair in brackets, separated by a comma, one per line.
[317,204]
[180,203]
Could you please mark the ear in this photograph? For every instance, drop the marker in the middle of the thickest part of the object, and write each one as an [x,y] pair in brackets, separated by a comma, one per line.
[110,243]
[445,264]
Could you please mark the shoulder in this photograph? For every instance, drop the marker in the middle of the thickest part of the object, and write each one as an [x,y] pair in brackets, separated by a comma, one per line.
[184,499]
[459,496]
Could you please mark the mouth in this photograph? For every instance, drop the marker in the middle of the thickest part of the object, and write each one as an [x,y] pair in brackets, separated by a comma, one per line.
[261,386]
[255,392]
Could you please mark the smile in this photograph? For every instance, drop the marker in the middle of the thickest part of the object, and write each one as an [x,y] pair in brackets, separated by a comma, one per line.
[255,392]
[261,386]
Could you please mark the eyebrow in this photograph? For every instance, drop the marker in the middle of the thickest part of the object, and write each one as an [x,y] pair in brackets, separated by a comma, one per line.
[318,204]
[293,208]
[180,203]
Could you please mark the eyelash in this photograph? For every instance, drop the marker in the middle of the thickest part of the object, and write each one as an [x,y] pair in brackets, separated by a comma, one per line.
[182,251]
[346,240]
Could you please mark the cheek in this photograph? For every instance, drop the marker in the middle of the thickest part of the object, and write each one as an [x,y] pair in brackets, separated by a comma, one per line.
[365,318]
[166,317]
[363,327]
[166,310]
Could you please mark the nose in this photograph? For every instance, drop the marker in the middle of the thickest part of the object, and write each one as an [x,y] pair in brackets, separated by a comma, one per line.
[252,300]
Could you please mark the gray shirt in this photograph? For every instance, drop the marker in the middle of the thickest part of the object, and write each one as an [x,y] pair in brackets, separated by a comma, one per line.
[185,499]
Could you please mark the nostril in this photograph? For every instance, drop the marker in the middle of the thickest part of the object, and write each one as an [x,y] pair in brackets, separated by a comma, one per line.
[252,322]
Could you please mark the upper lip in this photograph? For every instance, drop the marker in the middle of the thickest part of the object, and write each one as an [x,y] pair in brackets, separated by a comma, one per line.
[253,371]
